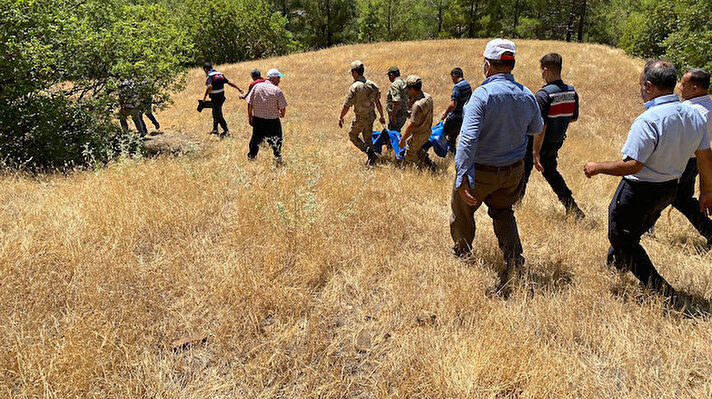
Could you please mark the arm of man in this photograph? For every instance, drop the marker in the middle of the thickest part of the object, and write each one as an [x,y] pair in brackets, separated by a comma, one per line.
[344,111]
[576,110]
[207,91]
[379,107]
[234,86]
[249,113]
[348,102]
[416,117]
[450,108]
[536,149]
[704,167]
[625,167]
[406,134]
[394,112]
[467,148]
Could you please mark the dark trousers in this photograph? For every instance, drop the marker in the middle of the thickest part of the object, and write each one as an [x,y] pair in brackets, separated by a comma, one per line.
[548,156]
[690,206]
[218,119]
[151,118]
[634,209]
[451,129]
[269,130]
[498,188]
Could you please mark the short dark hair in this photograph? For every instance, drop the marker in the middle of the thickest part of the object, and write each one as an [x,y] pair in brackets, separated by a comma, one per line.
[457,71]
[255,73]
[418,86]
[499,64]
[661,74]
[208,66]
[552,62]
[394,73]
[699,77]
[360,70]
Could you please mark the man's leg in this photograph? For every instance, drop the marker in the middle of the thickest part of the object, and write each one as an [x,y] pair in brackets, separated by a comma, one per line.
[275,138]
[122,120]
[451,130]
[258,128]
[634,209]
[462,223]
[357,127]
[500,204]
[549,161]
[414,152]
[688,205]
[152,118]
[137,117]
[528,165]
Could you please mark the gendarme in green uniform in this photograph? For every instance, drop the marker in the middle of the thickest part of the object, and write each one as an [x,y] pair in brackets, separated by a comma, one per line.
[397,94]
[362,95]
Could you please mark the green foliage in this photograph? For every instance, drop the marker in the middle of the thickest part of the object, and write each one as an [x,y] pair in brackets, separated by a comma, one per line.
[679,30]
[224,31]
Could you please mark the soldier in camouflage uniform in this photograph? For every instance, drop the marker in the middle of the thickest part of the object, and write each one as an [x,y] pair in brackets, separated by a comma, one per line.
[131,106]
[397,101]
[418,131]
[362,95]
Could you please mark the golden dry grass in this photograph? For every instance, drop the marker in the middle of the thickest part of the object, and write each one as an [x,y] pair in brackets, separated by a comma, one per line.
[326,279]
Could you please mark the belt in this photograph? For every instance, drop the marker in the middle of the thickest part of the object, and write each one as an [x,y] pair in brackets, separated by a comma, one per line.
[217,91]
[674,182]
[487,168]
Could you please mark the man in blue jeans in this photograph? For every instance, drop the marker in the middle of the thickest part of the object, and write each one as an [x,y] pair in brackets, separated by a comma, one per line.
[659,144]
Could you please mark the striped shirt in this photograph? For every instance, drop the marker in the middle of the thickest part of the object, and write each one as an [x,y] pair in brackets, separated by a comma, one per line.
[267,100]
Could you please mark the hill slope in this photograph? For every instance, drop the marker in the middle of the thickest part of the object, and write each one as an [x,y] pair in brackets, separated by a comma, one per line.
[326,279]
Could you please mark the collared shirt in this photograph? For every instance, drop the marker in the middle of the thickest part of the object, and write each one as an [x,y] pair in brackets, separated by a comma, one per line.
[421,116]
[496,122]
[362,95]
[267,100]
[398,94]
[664,137]
[217,80]
[461,93]
[559,105]
[255,82]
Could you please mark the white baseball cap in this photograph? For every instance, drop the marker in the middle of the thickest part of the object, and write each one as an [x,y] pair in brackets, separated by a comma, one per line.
[497,50]
[274,73]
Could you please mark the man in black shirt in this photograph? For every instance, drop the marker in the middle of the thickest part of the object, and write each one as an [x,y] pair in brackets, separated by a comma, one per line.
[559,105]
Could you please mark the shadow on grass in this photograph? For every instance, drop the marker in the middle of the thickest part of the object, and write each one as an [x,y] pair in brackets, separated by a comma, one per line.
[681,304]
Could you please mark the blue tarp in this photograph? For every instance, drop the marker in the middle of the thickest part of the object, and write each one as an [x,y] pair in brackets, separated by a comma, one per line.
[437,141]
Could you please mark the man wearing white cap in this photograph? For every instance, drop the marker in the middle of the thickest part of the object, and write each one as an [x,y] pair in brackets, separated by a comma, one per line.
[265,106]
[489,163]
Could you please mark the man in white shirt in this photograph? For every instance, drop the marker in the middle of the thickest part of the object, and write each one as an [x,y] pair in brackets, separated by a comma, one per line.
[694,87]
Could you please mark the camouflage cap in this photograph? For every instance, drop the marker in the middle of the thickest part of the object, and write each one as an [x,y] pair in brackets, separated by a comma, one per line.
[413,80]
[356,65]
[394,70]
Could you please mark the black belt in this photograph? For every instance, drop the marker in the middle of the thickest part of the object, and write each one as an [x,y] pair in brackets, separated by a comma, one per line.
[653,183]
[487,168]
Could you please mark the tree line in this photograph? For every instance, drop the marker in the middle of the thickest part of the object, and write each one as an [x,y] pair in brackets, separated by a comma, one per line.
[61,61]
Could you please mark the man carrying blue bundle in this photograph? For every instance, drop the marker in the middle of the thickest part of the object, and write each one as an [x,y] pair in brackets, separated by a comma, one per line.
[452,116]
[489,162]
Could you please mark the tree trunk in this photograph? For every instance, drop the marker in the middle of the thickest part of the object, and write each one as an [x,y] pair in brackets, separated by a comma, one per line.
[328,23]
[440,16]
[388,19]
[516,19]
[582,21]
[474,5]
[570,24]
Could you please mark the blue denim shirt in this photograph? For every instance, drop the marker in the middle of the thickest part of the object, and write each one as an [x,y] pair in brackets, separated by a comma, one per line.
[496,122]
[664,138]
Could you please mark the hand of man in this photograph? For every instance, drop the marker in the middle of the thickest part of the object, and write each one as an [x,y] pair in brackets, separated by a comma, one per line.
[443,116]
[401,143]
[590,169]
[250,120]
[466,194]
[382,120]
[706,203]
[537,163]
[341,123]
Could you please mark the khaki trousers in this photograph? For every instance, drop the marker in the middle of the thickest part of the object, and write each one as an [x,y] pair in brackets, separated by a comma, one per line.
[498,189]
[414,152]
[362,127]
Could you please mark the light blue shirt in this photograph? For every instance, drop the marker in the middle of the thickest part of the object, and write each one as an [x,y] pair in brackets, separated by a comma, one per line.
[664,137]
[496,122]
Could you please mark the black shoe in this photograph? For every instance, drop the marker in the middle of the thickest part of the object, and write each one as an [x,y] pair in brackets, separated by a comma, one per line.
[225,134]
[372,157]
[572,208]
[214,132]
[157,125]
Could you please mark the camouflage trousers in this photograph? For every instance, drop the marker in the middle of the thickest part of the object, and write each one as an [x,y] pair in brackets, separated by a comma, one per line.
[361,132]
[136,115]
[398,123]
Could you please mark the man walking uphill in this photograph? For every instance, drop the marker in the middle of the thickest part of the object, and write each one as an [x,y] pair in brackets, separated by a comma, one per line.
[694,87]
[362,95]
[265,106]
[397,100]
[489,160]
[559,105]
[215,88]
[659,144]
[461,93]
[417,133]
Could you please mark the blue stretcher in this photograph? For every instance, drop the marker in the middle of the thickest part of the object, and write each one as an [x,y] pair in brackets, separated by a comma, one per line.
[437,141]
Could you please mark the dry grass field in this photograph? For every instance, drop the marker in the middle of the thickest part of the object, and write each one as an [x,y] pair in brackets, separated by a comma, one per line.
[325,279]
